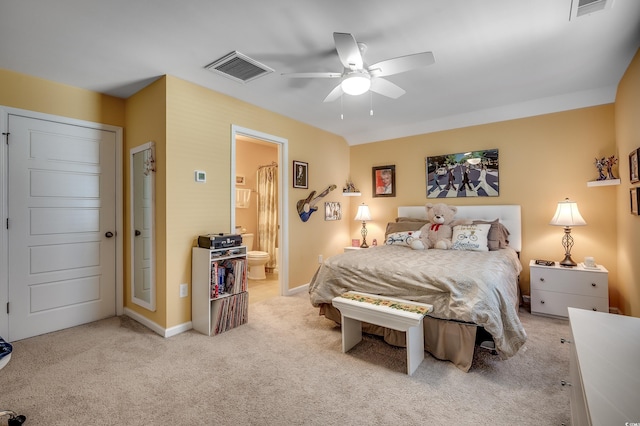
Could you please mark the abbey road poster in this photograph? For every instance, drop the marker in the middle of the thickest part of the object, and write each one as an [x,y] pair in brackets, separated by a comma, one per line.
[465,174]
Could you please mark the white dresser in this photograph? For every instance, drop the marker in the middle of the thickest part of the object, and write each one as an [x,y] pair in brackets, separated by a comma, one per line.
[604,368]
[555,288]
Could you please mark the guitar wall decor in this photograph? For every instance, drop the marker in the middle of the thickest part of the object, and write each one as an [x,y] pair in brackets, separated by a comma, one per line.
[308,205]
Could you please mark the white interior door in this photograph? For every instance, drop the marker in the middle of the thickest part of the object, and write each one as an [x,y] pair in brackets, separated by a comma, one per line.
[62,225]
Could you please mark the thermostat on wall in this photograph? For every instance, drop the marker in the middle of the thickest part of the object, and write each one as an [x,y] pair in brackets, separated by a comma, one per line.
[201,176]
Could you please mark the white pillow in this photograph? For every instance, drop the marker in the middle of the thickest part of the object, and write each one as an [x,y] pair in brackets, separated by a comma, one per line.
[471,237]
[402,238]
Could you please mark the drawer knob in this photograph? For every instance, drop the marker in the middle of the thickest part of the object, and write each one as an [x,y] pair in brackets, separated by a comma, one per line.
[542,302]
[563,340]
[541,279]
[565,383]
[593,284]
[595,309]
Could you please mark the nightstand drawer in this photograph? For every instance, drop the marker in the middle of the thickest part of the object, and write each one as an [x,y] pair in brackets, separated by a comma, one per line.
[552,303]
[570,281]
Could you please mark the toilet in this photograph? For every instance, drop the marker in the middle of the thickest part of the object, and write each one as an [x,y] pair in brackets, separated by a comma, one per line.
[256,259]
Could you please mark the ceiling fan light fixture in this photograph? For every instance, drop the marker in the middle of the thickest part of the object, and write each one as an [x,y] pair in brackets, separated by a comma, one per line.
[356,83]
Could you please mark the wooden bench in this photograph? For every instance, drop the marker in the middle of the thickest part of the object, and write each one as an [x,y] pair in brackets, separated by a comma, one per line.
[397,314]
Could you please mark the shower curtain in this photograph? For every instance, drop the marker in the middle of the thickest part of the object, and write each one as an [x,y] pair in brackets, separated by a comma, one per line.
[268,212]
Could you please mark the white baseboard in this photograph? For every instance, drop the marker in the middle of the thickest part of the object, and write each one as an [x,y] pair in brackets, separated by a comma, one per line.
[300,289]
[164,332]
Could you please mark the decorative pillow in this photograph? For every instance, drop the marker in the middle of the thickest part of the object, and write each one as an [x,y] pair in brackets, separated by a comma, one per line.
[498,234]
[393,227]
[470,237]
[401,238]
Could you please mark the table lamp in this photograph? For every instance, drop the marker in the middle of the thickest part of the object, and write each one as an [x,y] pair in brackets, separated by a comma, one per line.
[363,214]
[567,215]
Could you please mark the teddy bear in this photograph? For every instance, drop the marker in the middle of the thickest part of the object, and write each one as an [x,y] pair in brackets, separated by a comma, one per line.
[438,231]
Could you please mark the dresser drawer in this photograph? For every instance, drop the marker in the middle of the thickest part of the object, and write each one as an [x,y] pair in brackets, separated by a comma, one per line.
[552,303]
[570,281]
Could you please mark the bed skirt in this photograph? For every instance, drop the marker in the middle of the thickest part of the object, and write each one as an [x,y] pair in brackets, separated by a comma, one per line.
[444,340]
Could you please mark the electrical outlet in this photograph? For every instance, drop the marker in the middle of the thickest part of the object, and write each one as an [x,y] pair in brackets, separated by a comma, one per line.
[184,290]
[320,258]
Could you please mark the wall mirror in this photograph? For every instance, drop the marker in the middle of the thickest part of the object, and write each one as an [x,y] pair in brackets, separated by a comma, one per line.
[142,194]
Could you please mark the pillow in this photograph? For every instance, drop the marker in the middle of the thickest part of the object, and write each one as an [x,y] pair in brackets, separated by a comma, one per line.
[393,227]
[498,234]
[471,237]
[402,238]
[411,219]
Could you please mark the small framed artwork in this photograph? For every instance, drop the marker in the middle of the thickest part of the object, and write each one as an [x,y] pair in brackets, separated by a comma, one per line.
[300,175]
[240,180]
[332,210]
[634,200]
[384,181]
[355,242]
[634,174]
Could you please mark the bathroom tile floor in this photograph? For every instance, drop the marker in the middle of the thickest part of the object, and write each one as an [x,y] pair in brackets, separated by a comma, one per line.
[264,289]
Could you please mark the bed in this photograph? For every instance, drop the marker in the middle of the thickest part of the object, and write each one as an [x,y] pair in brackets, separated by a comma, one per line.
[474,293]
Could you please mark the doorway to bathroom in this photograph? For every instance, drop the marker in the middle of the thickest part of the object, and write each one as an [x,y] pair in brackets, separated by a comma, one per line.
[258,194]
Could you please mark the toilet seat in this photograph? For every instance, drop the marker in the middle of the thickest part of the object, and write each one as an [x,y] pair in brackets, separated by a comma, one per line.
[257,254]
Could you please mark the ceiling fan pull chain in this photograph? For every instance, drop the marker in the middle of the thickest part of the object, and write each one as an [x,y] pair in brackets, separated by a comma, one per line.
[341,108]
[371,104]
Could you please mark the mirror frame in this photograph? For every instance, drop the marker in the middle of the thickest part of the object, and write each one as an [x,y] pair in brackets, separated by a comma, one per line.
[151,305]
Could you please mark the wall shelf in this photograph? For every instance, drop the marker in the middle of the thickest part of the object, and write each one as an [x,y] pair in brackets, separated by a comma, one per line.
[605,182]
[351,194]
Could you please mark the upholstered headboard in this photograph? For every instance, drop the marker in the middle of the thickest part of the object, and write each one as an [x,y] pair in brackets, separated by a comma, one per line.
[509,216]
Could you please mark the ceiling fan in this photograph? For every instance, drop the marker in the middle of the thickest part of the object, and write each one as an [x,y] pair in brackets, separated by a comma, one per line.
[358,77]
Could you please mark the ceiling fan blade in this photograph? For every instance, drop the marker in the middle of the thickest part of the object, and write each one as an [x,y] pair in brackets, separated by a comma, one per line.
[386,88]
[348,51]
[401,64]
[334,94]
[313,74]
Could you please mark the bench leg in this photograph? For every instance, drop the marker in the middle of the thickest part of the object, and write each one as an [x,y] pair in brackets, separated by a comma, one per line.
[351,333]
[415,348]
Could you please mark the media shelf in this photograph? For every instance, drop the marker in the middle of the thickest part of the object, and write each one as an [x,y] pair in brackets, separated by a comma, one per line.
[219,297]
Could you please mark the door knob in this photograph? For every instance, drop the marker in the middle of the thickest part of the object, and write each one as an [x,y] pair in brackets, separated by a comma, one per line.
[108,234]
[138,233]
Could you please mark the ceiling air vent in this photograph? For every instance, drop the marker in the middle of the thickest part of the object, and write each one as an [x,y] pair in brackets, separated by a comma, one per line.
[586,7]
[239,67]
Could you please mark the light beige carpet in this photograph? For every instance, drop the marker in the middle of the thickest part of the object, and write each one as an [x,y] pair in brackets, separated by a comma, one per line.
[284,367]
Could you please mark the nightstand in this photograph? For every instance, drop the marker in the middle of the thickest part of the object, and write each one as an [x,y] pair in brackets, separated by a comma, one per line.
[555,288]
[346,249]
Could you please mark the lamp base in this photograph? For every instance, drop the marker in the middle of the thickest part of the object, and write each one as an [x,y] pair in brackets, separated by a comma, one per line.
[567,262]
[364,245]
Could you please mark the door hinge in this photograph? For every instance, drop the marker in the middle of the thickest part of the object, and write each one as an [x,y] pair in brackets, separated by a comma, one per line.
[7,307]
[6,135]
[7,223]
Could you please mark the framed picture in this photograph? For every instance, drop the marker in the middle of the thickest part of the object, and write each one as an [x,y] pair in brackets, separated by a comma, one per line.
[332,210]
[634,157]
[240,180]
[300,175]
[464,174]
[634,200]
[384,181]
[355,242]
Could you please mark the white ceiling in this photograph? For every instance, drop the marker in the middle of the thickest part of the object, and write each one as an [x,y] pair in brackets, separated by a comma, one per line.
[495,59]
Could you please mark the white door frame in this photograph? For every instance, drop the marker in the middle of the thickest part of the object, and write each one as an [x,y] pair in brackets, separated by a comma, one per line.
[4,208]
[283,199]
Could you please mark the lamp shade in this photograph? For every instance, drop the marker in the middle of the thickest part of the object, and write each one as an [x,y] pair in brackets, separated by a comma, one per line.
[567,214]
[363,213]
[356,83]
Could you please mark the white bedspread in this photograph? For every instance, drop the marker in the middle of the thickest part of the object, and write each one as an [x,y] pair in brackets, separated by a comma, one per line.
[468,286]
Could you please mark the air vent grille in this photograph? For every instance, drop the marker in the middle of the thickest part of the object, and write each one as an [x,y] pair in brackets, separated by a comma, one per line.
[586,7]
[239,67]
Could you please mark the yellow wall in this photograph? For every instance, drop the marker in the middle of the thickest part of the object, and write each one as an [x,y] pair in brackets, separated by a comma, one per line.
[146,121]
[35,94]
[543,160]
[198,138]
[627,124]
